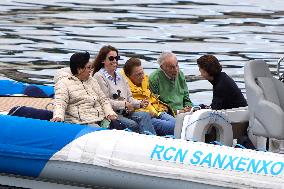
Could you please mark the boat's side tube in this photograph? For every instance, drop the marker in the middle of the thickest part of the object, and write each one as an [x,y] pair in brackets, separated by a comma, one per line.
[119,156]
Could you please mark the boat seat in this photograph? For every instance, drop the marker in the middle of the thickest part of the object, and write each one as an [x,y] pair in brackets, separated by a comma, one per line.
[265,102]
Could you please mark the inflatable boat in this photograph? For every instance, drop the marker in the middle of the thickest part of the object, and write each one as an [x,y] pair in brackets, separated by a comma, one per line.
[42,154]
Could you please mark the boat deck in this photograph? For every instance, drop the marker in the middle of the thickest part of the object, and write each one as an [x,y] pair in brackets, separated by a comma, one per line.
[11,101]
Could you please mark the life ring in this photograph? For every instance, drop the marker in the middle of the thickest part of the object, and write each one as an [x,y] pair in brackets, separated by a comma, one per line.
[198,124]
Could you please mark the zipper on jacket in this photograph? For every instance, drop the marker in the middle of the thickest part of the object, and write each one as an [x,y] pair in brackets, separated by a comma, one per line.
[79,113]
[93,99]
[89,94]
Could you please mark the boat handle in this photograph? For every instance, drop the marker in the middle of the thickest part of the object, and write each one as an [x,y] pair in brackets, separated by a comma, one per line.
[278,66]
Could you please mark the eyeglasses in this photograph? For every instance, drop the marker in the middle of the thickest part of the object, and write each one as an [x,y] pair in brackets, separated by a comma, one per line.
[112,58]
[89,67]
[172,67]
[139,74]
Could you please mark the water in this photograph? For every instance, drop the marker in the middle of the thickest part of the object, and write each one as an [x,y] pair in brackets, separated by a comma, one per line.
[38,36]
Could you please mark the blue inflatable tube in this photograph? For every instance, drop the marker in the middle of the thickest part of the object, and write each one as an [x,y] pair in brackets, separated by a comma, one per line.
[26,144]
[8,87]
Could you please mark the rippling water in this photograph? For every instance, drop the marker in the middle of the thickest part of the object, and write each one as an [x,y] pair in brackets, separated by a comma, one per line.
[38,36]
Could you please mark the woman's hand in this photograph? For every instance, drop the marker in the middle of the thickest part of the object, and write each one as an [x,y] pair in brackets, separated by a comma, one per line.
[153,114]
[166,109]
[144,103]
[111,117]
[56,119]
[129,107]
[184,110]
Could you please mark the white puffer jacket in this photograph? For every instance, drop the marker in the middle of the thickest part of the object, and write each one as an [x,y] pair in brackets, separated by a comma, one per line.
[78,101]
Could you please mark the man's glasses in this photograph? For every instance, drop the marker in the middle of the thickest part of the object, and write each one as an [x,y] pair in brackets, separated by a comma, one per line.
[112,58]
[139,74]
[172,67]
[89,67]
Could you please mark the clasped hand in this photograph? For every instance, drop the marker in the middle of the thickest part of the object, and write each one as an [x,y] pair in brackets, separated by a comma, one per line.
[144,103]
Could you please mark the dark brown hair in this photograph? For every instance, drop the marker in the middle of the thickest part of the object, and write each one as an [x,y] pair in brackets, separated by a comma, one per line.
[98,62]
[78,60]
[130,64]
[210,64]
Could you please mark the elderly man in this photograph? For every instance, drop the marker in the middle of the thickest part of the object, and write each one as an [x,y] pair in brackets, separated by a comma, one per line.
[169,83]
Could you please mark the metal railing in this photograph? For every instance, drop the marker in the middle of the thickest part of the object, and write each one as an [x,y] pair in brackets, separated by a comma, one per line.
[279,73]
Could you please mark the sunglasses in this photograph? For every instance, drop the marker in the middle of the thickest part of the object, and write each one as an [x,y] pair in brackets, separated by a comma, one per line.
[112,58]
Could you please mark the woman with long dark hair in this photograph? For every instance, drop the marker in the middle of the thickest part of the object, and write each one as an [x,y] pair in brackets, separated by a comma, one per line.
[117,89]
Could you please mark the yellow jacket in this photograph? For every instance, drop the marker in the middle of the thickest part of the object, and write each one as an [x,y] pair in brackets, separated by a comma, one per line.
[155,105]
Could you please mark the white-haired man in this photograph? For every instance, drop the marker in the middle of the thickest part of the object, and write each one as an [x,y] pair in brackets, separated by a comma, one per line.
[169,83]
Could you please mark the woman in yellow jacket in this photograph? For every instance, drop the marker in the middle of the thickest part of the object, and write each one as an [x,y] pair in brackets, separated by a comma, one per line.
[163,122]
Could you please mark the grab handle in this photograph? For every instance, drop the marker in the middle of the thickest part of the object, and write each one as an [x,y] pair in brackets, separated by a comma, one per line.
[278,67]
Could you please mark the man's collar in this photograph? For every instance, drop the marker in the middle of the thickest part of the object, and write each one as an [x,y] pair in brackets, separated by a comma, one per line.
[172,79]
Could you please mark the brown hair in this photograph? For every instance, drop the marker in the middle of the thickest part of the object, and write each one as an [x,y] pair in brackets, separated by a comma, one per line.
[130,64]
[210,64]
[98,62]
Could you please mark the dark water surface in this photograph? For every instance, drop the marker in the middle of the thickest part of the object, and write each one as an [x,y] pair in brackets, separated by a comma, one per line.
[38,36]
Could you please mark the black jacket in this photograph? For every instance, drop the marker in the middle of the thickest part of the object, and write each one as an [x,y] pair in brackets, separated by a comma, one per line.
[226,93]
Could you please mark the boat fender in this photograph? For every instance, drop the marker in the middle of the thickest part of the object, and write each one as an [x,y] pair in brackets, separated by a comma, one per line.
[198,124]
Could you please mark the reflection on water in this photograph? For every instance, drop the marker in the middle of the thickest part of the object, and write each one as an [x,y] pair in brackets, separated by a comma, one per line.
[38,36]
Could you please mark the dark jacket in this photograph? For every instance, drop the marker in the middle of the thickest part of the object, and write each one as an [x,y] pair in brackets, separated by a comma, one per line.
[226,94]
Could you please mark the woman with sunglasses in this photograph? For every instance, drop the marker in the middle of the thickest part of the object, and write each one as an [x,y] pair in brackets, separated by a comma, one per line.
[117,89]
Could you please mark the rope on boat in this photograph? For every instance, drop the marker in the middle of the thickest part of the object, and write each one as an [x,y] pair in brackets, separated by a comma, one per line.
[170,136]
[128,130]
[212,118]
[240,146]
[216,142]
[50,103]
[148,133]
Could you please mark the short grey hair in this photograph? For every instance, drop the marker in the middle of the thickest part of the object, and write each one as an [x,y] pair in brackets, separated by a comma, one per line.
[163,56]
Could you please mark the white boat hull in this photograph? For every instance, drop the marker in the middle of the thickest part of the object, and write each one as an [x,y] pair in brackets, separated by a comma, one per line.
[114,161]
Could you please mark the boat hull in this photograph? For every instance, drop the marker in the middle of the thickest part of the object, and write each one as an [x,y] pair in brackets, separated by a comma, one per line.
[85,175]
[84,156]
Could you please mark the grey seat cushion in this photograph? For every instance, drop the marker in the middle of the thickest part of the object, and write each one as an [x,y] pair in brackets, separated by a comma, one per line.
[268,88]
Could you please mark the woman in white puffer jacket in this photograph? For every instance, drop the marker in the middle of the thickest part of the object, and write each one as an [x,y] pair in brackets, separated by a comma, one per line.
[78,97]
